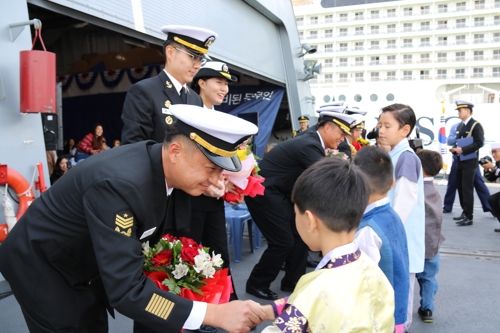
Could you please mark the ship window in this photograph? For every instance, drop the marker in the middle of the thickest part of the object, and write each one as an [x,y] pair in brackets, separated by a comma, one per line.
[390,97]
[342,98]
[326,98]
[358,98]
[373,97]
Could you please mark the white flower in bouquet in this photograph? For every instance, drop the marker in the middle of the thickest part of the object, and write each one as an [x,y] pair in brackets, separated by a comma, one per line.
[217,260]
[199,263]
[180,271]
[145,247]
[206,256]
[209,270]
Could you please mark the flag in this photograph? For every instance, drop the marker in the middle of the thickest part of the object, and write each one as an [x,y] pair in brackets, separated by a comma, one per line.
[442,132]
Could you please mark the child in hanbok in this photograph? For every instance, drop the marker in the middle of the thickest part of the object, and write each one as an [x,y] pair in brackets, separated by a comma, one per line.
[381,235]
[396,122]
[432,162]
[347,292]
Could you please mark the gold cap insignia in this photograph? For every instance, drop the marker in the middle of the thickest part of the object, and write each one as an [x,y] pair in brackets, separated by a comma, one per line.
[169,120]
[168,103]
[124,222]
[168,84]
[225,68]
[210,40]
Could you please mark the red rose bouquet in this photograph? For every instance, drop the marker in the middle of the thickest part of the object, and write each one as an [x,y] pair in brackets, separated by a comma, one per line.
[247,181]
[181,266]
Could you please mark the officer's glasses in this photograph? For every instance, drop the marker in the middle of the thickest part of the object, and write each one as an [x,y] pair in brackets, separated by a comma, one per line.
[195,58]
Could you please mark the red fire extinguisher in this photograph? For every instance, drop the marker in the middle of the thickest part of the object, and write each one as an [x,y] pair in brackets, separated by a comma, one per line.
[38,79]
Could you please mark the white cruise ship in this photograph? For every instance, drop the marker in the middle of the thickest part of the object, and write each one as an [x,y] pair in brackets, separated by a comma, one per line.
[375,53]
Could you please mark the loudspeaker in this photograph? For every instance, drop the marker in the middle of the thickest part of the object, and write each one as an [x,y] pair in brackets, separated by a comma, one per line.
[50,130]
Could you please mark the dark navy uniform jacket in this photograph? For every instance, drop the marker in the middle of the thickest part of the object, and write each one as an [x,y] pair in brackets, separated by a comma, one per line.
[285,163]
[78,248]
[145,107]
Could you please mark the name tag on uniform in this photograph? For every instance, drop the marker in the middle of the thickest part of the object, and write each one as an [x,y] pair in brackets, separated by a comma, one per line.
[148,233]
[165,111]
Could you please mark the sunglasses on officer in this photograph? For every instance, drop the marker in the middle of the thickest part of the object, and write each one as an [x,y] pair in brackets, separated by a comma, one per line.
[195,58]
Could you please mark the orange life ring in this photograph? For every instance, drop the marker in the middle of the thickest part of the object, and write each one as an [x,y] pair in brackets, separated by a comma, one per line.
[24,193]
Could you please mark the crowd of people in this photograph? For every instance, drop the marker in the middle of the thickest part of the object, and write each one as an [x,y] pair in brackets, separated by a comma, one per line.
[75,152]
[373,213]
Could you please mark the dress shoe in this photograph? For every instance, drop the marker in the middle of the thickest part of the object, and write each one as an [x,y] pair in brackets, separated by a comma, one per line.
[426,315]
[446,211]
[262,293]
[206,329]
[458,218]
[463,222]
[311,262]
[497,230]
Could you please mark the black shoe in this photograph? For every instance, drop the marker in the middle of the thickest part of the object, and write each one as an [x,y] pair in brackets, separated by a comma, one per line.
[446,211]
[286,287]
[426,315]
[311,262]
[463,222]
[206,329]
[262,293]
[497,230]
[458,218]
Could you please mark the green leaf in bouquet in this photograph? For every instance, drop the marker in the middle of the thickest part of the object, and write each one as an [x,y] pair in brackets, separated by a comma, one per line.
[190,287]
[172,286]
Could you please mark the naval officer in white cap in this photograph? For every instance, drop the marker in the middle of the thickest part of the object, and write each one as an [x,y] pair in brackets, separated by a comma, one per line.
[148,101]
[84,236]
[273,212]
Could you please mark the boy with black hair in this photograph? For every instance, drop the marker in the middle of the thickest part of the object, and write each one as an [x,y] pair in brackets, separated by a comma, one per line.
[432,162]
[381,234]
[346,282]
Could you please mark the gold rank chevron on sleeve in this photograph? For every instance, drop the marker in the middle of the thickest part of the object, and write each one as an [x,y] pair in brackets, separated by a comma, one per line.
[124,222]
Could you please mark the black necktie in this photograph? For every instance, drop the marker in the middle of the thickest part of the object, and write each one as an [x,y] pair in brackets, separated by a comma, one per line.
[183,95]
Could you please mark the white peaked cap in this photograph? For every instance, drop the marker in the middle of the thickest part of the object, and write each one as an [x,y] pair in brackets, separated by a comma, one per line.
[217,134]
[333,108]
[339,103]
[200,34]
[344,121]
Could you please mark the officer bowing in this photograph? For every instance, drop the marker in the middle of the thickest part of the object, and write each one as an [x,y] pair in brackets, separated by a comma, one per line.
[77,250]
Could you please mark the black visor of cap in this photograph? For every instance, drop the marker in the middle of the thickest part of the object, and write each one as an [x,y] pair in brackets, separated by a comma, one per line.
[227,163]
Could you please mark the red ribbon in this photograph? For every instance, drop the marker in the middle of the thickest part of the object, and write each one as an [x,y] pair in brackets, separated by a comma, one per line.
[216,291]
[253,189]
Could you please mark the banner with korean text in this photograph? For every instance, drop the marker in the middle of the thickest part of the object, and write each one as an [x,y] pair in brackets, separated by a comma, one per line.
[265,100]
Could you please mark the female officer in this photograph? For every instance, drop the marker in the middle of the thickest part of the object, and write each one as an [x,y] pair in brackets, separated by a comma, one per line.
[208,221]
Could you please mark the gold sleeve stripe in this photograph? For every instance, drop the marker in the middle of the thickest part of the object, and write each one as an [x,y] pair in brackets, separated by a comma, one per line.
[160,306]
